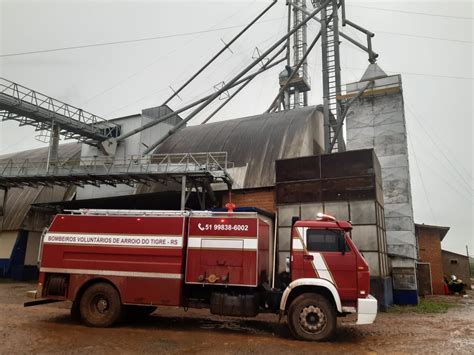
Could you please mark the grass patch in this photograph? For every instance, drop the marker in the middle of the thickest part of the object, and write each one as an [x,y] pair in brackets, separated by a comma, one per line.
[425,306]
[5,281]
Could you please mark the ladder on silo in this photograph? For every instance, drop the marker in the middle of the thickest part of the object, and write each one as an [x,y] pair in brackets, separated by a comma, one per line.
[299,98]
[331,75]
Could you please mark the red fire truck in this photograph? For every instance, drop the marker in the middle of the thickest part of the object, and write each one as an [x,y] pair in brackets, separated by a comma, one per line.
[113,262]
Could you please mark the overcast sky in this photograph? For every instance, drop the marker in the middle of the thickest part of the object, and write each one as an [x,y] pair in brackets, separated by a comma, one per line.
[429,42]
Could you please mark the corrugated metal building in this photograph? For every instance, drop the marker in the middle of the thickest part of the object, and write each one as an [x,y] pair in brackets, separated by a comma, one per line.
[20,225]
[254,143]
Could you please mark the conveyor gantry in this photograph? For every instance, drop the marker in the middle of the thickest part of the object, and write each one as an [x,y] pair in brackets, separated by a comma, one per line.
[30,107]
[193,167]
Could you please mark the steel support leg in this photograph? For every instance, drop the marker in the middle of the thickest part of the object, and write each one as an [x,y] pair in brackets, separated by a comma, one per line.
[183,192]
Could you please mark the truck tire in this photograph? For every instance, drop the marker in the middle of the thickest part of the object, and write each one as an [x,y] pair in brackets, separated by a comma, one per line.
[312,317]
[100,305]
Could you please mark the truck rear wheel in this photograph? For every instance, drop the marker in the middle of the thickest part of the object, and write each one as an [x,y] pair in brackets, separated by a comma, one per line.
[100,305]
[312,317]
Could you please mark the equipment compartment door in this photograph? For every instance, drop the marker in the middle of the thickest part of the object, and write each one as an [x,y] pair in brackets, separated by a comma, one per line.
[213,255]
[222,250]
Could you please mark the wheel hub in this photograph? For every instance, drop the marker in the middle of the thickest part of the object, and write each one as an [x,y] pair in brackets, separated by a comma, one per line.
[102,305]
[312,319]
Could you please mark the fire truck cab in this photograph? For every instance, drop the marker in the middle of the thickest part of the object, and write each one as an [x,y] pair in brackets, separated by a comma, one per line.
[111,263]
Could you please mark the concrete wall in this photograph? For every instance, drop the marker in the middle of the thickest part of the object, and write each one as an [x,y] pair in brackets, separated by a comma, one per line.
[7,241]
[32,248]
[377,120]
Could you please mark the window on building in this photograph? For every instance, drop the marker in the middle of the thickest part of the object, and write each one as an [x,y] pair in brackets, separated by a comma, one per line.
[323,240]
[453,261]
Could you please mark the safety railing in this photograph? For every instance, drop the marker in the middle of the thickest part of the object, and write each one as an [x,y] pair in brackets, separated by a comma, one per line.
[214,163]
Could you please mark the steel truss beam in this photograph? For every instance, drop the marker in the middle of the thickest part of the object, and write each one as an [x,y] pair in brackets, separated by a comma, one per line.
[29,107]
[197,167]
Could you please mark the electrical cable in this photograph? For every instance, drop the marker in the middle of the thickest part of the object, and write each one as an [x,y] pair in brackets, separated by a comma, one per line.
[125,41]
[447,183]
[162,57]
[423,37]
[440,150]
[437,139]
[411,12]
[229,75]
[421,178]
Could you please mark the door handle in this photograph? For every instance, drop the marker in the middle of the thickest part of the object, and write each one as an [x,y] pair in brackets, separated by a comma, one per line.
[308,257]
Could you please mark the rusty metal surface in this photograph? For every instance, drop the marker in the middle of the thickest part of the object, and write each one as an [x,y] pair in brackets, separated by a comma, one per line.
[353,175]
[19,199]
[257,141]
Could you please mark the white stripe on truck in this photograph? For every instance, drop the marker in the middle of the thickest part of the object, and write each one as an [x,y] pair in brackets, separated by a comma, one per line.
[114,240]
[320,265]
[223,243]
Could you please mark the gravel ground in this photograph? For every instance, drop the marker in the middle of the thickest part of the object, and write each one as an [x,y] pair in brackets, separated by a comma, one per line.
[49,329]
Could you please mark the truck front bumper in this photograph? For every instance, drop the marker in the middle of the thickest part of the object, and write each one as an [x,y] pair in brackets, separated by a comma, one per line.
[32,294]
[366,310]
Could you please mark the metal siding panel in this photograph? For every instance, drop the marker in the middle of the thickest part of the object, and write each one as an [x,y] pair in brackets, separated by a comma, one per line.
[299,192]
[19,200]
[309,211]
[346,164]
[365,237]
[7,242]
[363,212]
[284,238]
[304,168]
[340,210]
[285,213]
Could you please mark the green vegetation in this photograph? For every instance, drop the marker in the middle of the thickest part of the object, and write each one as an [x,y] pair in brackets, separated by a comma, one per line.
[425,306]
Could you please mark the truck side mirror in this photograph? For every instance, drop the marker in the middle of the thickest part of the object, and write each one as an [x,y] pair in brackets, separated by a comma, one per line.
[342,243]
[294,219]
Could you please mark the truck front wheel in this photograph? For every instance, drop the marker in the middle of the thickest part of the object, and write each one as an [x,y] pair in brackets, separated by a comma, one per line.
[312,317]
[100,305]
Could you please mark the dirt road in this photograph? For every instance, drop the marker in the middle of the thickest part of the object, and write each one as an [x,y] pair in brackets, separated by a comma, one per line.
[49,329]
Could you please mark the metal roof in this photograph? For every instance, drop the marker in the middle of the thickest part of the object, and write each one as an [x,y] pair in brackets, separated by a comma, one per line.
[442,230]
[19,199]
[254,143]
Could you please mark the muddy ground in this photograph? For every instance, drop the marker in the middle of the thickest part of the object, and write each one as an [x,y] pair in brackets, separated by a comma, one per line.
[49,329]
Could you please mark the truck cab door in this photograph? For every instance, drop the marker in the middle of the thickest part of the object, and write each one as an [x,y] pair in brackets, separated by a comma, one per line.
[329,257]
